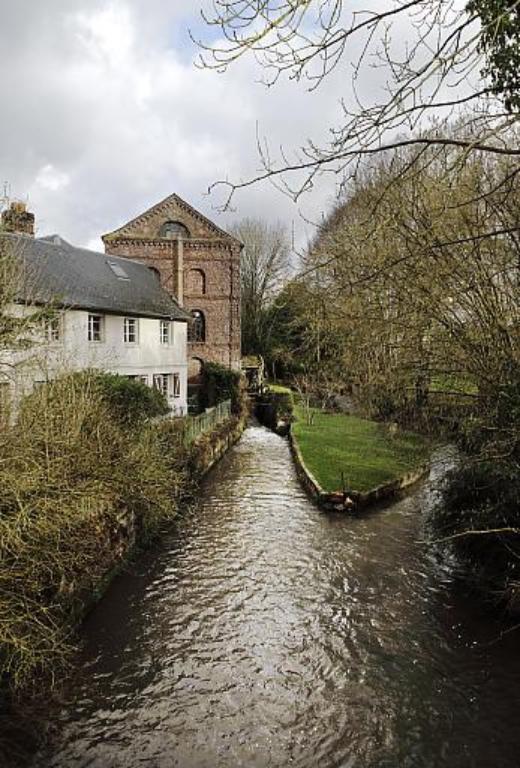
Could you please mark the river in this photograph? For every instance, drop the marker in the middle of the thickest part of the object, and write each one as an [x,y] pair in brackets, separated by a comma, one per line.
[261,632]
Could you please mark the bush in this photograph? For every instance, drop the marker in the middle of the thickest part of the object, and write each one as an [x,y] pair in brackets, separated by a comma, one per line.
[129,401]
[219,384]
[483,496]
[79,483]
[483,493]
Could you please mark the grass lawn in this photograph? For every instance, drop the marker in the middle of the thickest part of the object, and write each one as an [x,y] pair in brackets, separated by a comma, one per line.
[279,388]
[361,449]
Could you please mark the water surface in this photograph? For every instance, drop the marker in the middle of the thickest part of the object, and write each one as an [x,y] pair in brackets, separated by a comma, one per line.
[261,632]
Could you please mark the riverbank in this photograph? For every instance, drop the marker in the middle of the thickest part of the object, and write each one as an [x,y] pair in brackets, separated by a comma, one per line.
[84,486]
[345,460]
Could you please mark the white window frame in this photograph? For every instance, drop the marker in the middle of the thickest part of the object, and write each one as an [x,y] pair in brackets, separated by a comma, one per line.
[176,385]
[161,382]
[54,329]
[101,330]
[131,331]
[165,332]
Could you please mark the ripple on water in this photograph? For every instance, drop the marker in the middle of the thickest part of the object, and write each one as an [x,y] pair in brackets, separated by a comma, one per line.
[264,633]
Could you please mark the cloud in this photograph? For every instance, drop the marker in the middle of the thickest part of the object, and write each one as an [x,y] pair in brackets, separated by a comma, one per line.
[104,114]
[51,179]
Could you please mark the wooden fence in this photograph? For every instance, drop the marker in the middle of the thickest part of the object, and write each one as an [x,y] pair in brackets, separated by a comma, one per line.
[194,426]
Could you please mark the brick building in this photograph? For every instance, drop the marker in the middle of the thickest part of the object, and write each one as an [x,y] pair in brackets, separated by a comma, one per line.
[199,264]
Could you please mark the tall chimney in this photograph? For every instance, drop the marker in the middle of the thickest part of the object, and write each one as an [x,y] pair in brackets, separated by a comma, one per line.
[17,219]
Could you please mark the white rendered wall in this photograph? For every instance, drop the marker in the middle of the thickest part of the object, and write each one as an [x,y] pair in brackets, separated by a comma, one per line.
[74,352]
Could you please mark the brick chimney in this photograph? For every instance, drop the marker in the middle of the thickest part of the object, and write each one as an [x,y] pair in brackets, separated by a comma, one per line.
[17,219]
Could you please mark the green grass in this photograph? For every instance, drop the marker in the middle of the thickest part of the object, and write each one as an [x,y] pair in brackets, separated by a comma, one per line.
[363,450]
[280,389]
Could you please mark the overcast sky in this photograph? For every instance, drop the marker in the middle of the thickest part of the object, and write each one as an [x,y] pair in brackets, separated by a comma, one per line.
[103,114]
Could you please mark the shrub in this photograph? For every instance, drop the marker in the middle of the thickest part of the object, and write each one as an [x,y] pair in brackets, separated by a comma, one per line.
[483,496]
[78,481]
[128,400]
[219,384]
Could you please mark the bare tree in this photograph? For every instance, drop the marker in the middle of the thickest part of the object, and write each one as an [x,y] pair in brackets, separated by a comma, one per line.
[22,319]
[423,283]
[264,268]
[456,57]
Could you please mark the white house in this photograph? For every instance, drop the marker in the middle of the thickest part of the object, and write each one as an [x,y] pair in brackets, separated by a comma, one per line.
[111,313]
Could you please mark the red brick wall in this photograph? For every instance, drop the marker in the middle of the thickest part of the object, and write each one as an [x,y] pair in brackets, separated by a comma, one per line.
[220,263]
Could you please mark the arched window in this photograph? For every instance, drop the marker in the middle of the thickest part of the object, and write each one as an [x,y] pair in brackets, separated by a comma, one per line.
[173,230]
[197,327]
[196,283]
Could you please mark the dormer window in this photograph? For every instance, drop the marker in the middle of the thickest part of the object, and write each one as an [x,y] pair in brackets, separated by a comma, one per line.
[174,230]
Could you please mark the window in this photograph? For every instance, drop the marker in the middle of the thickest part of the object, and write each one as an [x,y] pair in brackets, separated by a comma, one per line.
[176,385]
[53,329]
[161,381]
[165,332]
[131,330]
[137,377]
[118,270]
[95,327]
[197,327]
[172,230]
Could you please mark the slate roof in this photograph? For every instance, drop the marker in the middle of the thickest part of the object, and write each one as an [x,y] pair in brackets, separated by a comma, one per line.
[53,271]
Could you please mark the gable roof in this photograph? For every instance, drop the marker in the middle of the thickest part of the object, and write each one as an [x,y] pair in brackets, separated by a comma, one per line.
[128,229]
[53,271]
